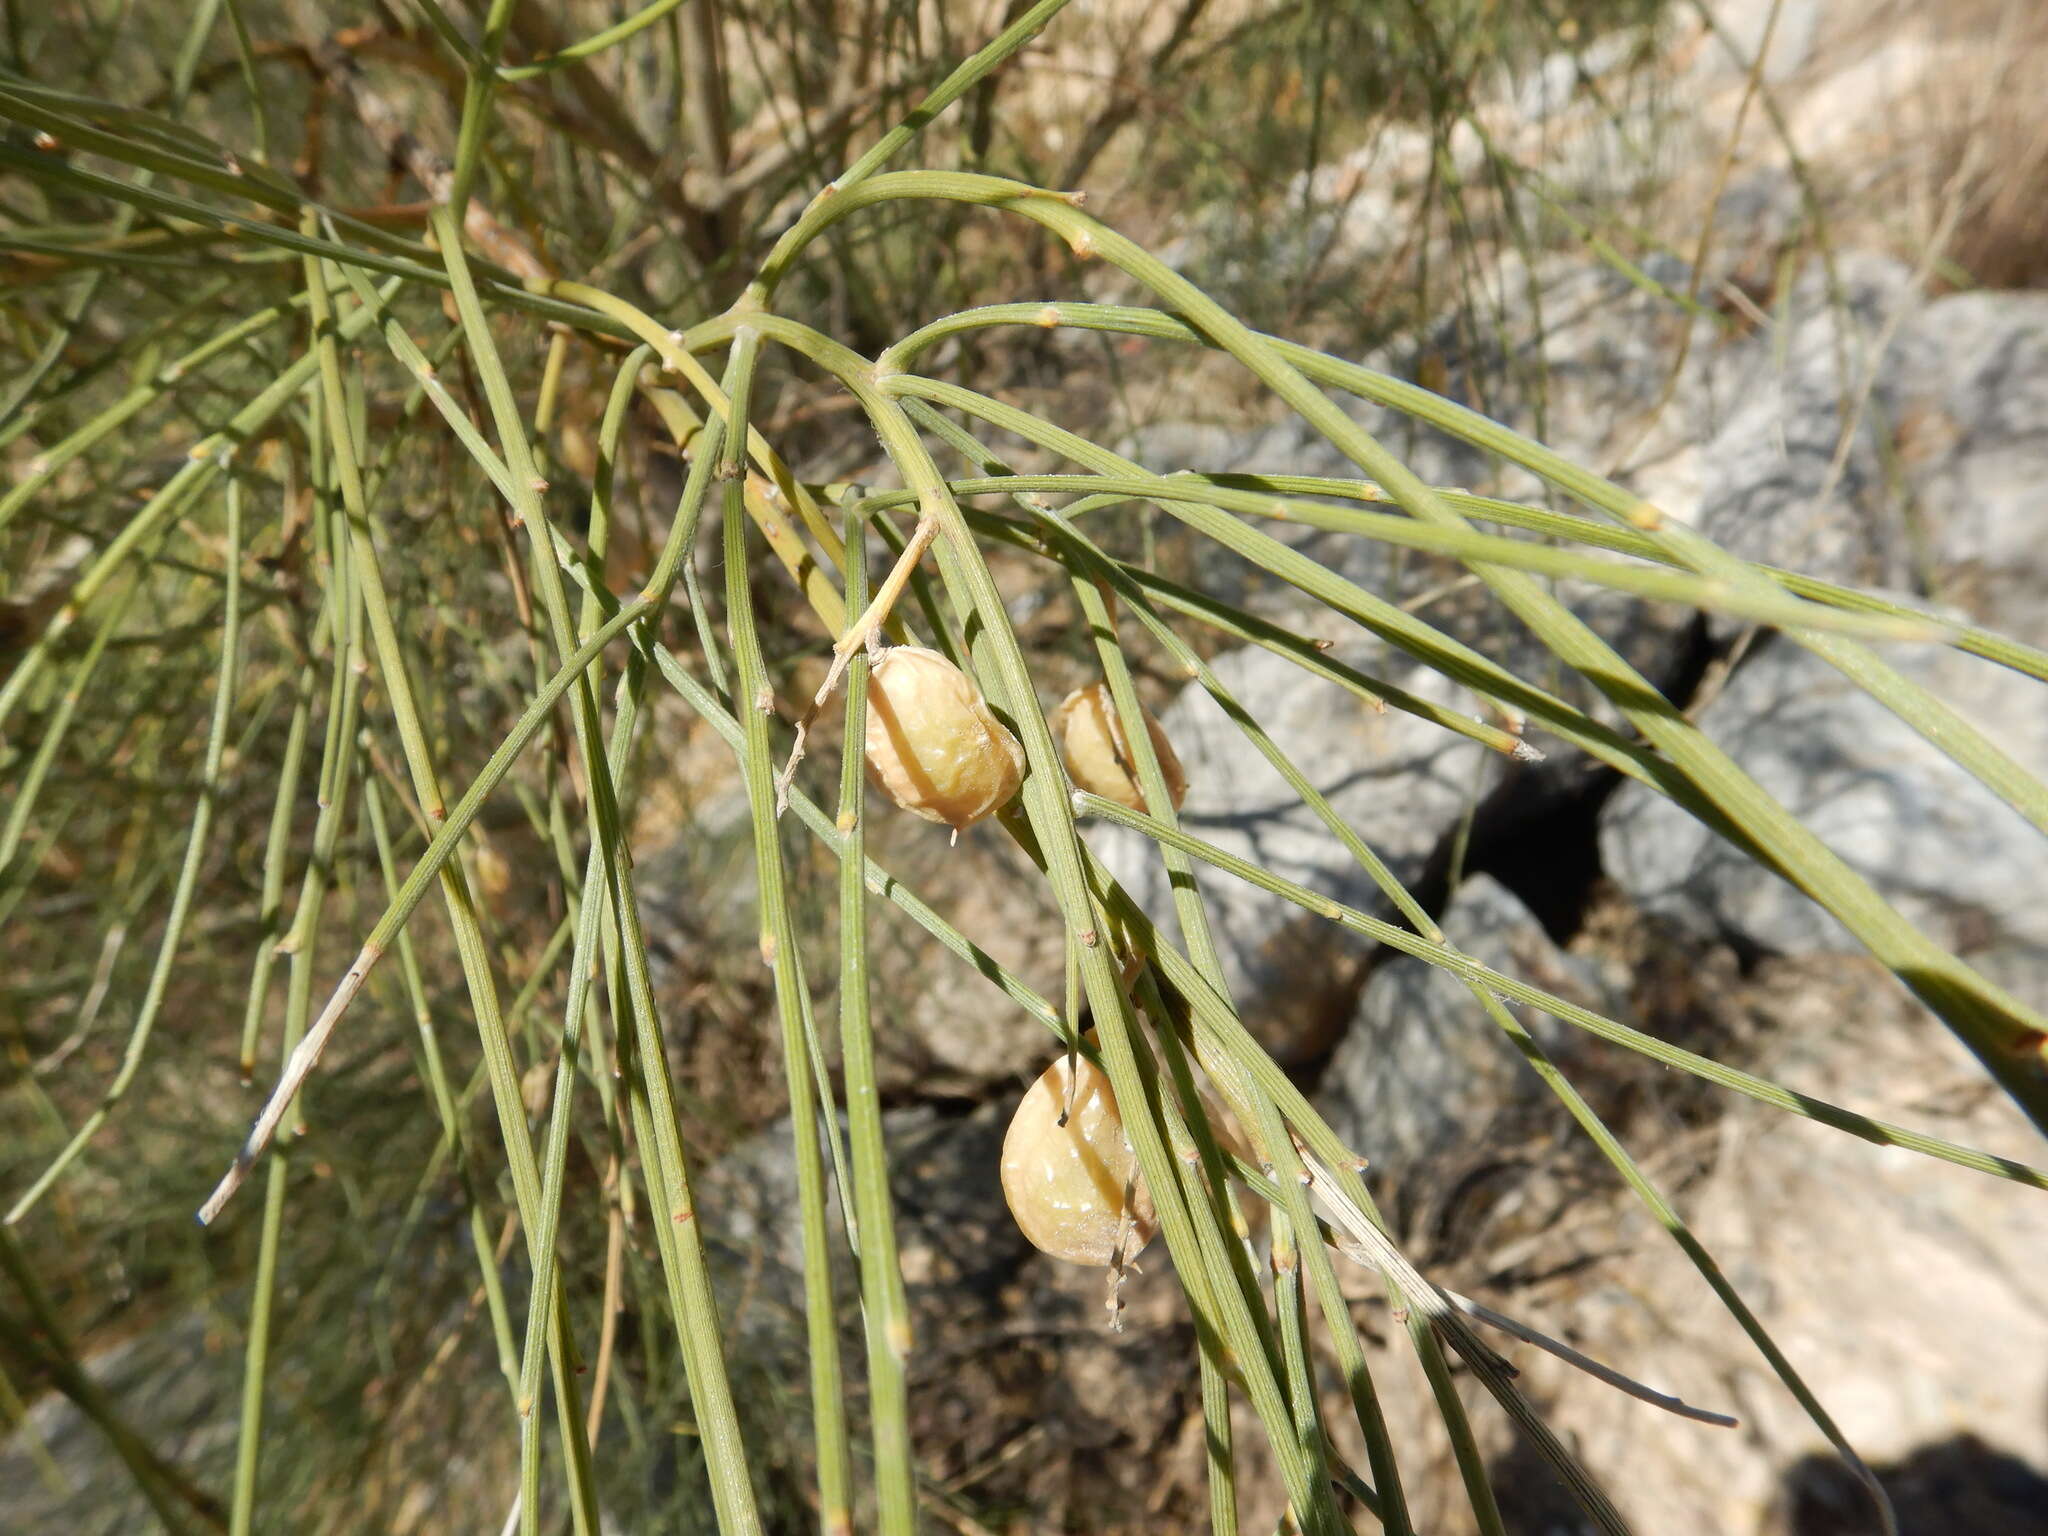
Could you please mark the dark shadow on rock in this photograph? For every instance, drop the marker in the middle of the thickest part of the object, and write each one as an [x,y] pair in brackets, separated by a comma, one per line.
[1537,833]
[1533,1499]
[1955,1487]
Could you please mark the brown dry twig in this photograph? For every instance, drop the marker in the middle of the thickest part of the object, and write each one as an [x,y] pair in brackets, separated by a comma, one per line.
[337,68]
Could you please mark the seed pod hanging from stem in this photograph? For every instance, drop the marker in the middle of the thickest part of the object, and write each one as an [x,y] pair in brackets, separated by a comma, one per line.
[1070,1175]
[933,746]
[1098,753]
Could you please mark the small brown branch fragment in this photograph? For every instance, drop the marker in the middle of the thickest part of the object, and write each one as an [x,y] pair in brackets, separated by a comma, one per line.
[296,1071]
[337,67]
[863,633]
[1590,1366]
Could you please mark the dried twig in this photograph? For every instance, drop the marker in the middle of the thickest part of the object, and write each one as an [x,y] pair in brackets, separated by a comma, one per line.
[1586,1363]
[338,68]
[1365,1244]
[296,1071]
[863,632]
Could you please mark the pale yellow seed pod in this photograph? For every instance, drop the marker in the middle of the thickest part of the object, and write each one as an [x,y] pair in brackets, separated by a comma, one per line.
[493,870]
[1098,753]
[933,747]
[1075,1189]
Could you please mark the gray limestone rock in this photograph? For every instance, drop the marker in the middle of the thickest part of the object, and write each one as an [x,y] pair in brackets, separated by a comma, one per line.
[174,1374]
[1910,1293]
[1423,1076]
[955,1238]
[1971,413]
[1396,780]
[1778,484]
[1938,845]
[941,1027]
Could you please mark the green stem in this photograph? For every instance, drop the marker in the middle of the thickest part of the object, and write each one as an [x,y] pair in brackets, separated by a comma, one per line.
[779,949]
[188,873]
[885,1311]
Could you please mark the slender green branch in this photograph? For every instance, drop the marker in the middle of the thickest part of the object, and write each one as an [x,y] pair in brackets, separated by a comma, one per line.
[188,873]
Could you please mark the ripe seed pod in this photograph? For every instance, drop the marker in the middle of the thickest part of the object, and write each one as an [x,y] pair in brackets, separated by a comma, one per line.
[1075,1189]
[1098,754]
[933,747]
